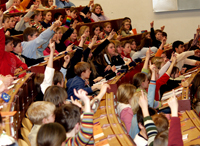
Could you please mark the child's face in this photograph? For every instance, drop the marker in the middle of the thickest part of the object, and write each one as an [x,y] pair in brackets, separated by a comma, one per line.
[16,2]
[74,35]
[180,49]
[50,119]
[148,36]
[133,45]
[127,48]
[37,2]
[48,16]
[59,34]
[88,15]
[97,31]
[9,47]
[6,23]
[145,84]
[73,15]
[39,16]
[50,2]
[86,74]
[126,25]
[18,48]
[87,32]
[177,74]
[119,49]
[108,28]
[97,10]
[30,38]
[12,22]
[111,49]
[159,36]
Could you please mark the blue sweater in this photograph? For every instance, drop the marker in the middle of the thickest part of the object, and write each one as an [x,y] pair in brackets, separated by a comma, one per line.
[63,4]
[76,83]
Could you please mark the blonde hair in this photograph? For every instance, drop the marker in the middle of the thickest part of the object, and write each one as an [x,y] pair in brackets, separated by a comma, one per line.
[161,122]
[39,110]
[93,9]
[157,61]
[106,24]
[125,92]
[82,30]
[134,101]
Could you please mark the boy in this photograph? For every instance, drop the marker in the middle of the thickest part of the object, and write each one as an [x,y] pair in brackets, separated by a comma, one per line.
[155,36]
[32,42]
[71,15]
[39,113]
[82,70]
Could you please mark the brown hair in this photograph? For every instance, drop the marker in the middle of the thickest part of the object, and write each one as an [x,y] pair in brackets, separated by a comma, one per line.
[73,9]
[29,31]
[134,101]
[145,42]
[161,122]
[125,92]
[106,49]
[125,42]
[161,139]
[81,67]
[122,26]
[51,134]
[16,41]
[157,61]
[106,24]
[45,12]
[93,9]
[57,78]
[8,39]
[144,34]
[82,30]
[68,115]
[36,13]
[138,78]
[158,30]
[55,94]
[5,17]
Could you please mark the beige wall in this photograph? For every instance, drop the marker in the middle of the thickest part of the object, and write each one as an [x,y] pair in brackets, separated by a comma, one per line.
[178,25]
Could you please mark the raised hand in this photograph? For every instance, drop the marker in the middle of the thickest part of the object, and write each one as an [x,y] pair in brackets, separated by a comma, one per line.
[112,33]
[74,24]
[152,24]
[162,28]
[173,104]
[52,45]
[148,53]
[69,48]
[143,102]
[152,66]
[82,94]
[76,102]
[34,7]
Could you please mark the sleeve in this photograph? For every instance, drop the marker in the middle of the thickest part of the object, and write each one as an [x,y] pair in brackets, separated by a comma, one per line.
[175,136]
[145,71]
[85,10]
[158,53]
[100,48]
[25,3]
[190,61]
[134,127]
[31,61]
[107,59]
[86,53]
[63,71]
[40,40]
[126,116]
[151,130]
[9,4]
[68,21]
[123,33]
[3,7]
[85,133]
[151,93]
[184,55]
[164,68]
[20,63]
[162,80]
[94,17]
[2,43]
[66,35]
[152,33]
[48,79]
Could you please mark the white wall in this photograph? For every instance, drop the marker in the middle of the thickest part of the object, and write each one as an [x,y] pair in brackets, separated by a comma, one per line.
[178,25]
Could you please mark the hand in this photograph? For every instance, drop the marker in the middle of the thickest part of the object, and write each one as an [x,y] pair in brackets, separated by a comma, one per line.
[197,63]
[76,102]
[82,94]
[162,28]
[112,33]
[101,35]
[34,7]
[17,70]
[90,3]
[108,67]
[52,45]
[148,53]
[67,58]
[98,79]
[68,12]
[83,37]
[152,67]
[113,68]
[102,13]
[96,87]
[196,52]
[104,88]
[173,104]
[74,24]
[143,102]
[7,33]
[152,24]
[173,58]
[69,48]
[26,19]
[57,23]
[119,37]
[53,7]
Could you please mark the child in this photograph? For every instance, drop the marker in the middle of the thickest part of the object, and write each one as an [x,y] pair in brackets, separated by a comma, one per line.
[72,39]
[98,14]
[133,47]
[47,15]
[51,134]
[70,17]
[40,6]
[78,131]
[126,51]
[82,70]
[11,28]
[49,4]
[85,14]
[5,24]
[39,113]
[64,3]
[96,30]
[124,30]
[37,17]
[129,19]
[85,30]
[9,63]
[21,6]
[107,28]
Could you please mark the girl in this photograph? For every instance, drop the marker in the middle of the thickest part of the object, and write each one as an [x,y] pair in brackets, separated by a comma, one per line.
[98,14]
[129,19]
[124,30]
[85,30]
[51,134]
[96,29]
[72,39]
[47,18]
[107,28]
[133,47]
[49,4]
[37,17]
[11,28]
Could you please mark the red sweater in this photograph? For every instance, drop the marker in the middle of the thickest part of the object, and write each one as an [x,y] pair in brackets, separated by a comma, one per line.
[8,61]
[3,7]
[175,136]
[161,81]
[127,56]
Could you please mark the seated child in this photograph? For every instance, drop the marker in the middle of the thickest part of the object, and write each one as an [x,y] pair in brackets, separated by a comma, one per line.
[85,14]
[72,39]
[5,24]
[78,131]
[125,29]
[98,14]
[96,30]
[64,3]
[82,70]
[42,7]
[20,6]
[39,113]
[70,17]
[37,18]
[50,4]
[51,134]
[107,28]
[11,28]
[85,30]
[126,51]
[47,15]
[156,36]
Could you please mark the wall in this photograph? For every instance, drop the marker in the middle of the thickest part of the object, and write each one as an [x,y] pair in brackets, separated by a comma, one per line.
[178,25]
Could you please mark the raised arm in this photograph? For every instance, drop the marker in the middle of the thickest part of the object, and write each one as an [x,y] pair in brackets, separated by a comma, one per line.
[152,31]
[146,62]
[9,4]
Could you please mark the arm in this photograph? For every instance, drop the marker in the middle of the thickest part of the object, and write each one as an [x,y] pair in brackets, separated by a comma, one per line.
[20,64]
[184,55]
[146,62]
[31,61]
[9,4]
[164,68]
[66,35]
[25,3]
[190,62]
[152,31]
[63,69]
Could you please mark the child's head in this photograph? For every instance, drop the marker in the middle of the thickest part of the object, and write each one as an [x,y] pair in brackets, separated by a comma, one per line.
[73,36]
[6,20]
[36,2]
[164,56]
[50,3]
[175,72]
[82,69]
[16,2]
[161,122]
[146,35]
[73,11]
[84,30]
[12,22]
[140,80]
[107,27]
[127,18]
[17,45]
[96,29]
[68,116]
[9,43]
[37,15]
[134,101]
[118,46]
[51,134]
[41,112]
[97,9]
[161,139]
[57,15]
[55,94]
[158,34]
[59,33]
[126,47]
[125,92]
[133,44]
[110,49]
[158,61]
[125,25]
[30,34]
[178,46]
[58,79]
[47,15]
